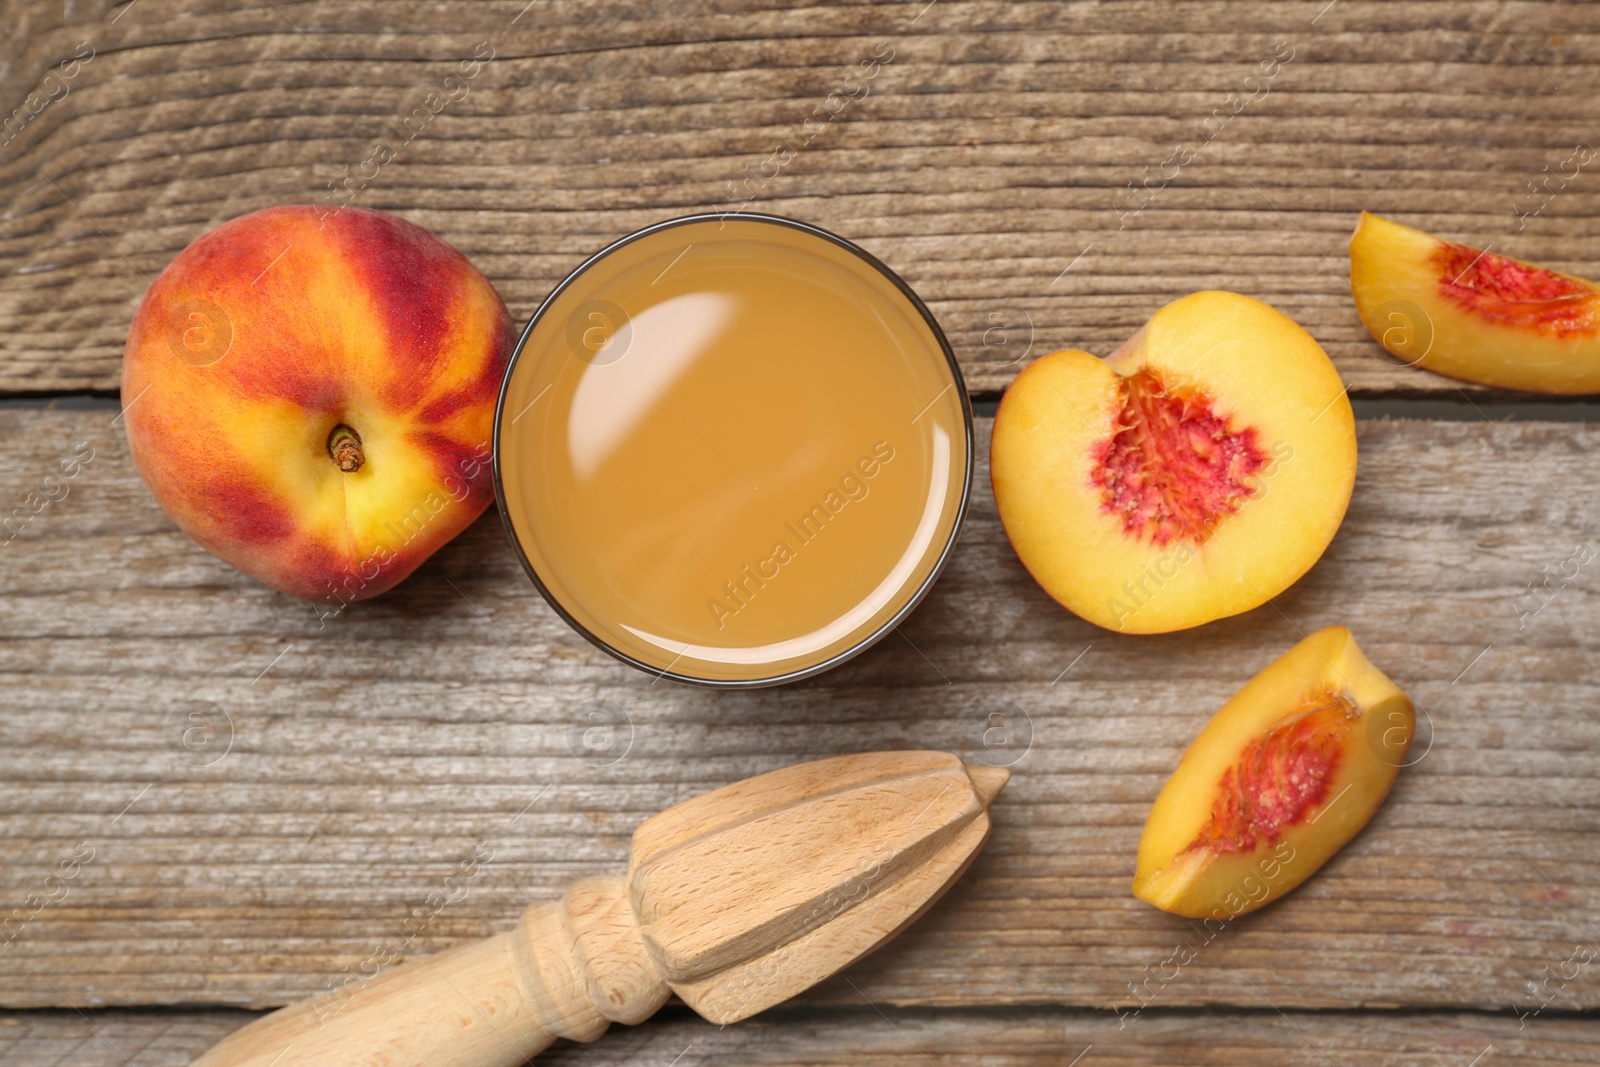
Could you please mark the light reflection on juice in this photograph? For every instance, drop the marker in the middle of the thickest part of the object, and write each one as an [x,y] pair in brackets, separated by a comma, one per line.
[732,450]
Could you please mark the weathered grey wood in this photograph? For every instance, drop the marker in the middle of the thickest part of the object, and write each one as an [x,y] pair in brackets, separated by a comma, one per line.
[371,753]
[850,1037]
[984,157]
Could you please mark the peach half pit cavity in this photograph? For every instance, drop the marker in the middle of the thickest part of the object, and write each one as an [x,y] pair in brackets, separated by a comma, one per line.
[1195,474]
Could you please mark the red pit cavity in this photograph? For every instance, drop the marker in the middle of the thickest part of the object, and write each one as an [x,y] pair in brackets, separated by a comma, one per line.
[1174,468]
[1516,294]
[1279,778]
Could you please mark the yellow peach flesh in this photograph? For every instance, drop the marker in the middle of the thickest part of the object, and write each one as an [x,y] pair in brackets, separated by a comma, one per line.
[1473,314]
[1290,769]
[1280,459]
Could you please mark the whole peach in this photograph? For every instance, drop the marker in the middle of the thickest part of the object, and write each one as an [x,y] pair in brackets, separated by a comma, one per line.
[310,396]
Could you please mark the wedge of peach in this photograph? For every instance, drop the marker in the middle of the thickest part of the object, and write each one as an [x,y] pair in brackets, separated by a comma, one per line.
[1474,314]
[1279,780]
[1196,473]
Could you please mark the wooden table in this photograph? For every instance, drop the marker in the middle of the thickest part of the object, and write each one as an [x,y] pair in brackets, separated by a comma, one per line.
[252,800]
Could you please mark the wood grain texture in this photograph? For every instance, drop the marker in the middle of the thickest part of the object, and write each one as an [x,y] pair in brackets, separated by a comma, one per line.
[988,157]
[353,764]
[896,1037]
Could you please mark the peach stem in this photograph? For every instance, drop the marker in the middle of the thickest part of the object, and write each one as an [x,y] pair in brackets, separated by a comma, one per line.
[344,445]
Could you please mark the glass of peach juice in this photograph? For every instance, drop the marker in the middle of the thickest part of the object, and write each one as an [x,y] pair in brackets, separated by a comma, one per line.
[733,449]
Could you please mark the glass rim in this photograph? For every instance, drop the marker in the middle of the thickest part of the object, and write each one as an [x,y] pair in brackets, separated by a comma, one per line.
[867,640]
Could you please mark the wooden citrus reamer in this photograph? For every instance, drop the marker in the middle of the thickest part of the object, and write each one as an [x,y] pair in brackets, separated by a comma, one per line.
[735,900]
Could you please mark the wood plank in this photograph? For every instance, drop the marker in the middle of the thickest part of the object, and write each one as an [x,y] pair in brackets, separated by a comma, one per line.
[992,148]
[909,1038]
[372,752]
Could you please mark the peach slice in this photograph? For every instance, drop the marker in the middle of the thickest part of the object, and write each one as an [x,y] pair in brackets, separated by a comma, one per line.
[1474,314]
[1196,473]
[1291,768]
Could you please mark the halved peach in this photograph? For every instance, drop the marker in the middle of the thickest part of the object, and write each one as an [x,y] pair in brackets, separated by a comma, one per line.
[1474,314]
[1196,473]
[1291,768]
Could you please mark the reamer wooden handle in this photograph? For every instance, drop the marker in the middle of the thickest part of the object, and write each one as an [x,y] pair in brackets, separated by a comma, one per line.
[568,969]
